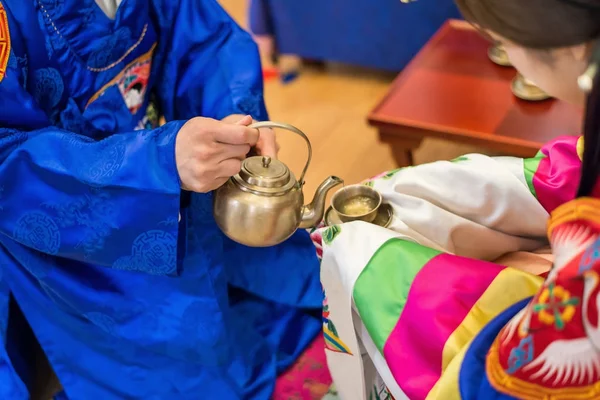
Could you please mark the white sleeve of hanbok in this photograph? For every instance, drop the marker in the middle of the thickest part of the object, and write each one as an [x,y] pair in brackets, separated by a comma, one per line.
[476,206]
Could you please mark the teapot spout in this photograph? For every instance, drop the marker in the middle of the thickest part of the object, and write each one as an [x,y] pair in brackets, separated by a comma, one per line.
[312,213]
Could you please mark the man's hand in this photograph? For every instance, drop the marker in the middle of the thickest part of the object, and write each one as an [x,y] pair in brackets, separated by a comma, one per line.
[267,142]
[208,152]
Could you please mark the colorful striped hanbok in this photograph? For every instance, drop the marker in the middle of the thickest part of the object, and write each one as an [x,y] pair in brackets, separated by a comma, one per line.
[461,296]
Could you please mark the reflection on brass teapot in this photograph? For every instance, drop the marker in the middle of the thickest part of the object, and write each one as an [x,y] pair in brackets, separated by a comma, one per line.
[263,204]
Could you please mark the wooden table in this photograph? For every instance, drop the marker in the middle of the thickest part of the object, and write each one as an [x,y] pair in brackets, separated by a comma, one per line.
[451,90]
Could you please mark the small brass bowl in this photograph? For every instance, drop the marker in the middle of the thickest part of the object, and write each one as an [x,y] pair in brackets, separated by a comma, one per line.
[356,203]
[498,56]
[524,89]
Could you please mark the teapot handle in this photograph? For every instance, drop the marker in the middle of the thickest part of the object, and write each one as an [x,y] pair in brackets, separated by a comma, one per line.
[288,127]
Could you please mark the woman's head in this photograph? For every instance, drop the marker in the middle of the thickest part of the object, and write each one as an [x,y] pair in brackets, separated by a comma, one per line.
[548,41]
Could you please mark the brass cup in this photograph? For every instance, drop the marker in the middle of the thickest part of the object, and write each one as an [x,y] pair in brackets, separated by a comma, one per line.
[345,194]
[524,89]
[498,55]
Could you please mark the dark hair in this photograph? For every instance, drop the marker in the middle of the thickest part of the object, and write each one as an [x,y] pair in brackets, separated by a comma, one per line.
[545,25]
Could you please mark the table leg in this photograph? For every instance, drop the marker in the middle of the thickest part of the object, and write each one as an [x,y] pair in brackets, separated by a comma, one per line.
[403,156]
[402,148]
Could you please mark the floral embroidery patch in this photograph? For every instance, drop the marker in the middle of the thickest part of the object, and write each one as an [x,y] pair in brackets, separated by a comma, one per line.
[332,339]
[380,393]
[550,348]
[151,120]
[331,233]
[132,82]
[4,42]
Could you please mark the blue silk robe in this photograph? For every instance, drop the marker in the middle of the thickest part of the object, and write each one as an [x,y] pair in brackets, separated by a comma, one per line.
[125,300]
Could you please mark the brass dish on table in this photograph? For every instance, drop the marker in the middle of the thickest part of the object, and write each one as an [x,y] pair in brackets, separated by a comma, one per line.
[524,89]
[498,56]
[383,218]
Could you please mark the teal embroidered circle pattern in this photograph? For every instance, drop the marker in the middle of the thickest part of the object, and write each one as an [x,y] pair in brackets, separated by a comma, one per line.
[48,88]
[38,231]
[157,250]
[153,252]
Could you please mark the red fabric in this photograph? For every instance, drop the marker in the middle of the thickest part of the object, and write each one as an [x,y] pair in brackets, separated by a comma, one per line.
[308,378]
[270,73]
[550,349]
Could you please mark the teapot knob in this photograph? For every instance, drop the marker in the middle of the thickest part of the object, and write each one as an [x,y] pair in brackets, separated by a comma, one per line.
[266,161]
[267,124]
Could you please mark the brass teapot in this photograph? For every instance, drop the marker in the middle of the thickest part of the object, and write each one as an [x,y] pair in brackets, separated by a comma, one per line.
[263,205]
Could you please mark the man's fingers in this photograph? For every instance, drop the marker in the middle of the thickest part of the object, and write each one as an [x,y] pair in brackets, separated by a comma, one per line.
[247,120]
[267,143]
[228,168]
[239,151]
[236,134]
[269,149]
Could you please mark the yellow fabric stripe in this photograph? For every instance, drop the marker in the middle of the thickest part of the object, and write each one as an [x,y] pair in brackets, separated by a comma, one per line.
[447,386]
[582,208]
[509,287]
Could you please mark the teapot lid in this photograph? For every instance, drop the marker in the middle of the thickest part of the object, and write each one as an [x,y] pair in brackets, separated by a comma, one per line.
[265,173]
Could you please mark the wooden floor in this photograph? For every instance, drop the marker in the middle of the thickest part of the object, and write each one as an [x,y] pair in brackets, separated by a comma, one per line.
[330,105]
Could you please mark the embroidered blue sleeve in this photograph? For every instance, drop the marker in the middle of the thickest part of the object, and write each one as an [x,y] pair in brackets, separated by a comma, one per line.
[113,202]
[210,66]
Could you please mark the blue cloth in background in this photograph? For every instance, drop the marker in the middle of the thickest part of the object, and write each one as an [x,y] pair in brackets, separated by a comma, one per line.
[383,34]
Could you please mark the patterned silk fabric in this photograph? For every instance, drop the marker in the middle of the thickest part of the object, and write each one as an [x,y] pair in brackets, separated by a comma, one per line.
[552,346]
[472,306]
[125,300]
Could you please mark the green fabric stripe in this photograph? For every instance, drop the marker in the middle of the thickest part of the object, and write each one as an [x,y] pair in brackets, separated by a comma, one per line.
[530,166]
[381,290]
